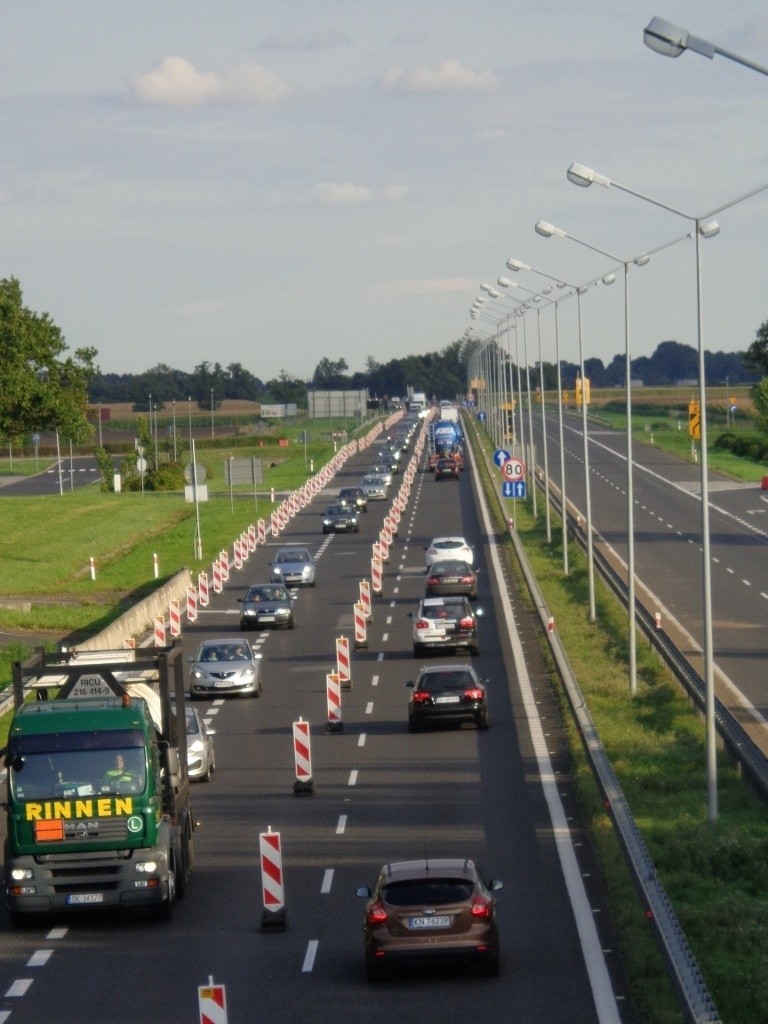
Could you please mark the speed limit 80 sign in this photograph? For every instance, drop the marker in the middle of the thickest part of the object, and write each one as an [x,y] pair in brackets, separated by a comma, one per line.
[513,469]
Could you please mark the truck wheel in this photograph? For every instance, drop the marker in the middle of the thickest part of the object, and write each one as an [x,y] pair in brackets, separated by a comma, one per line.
[164,911]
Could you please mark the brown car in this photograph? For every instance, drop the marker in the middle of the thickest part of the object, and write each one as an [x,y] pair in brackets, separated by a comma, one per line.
[428,910]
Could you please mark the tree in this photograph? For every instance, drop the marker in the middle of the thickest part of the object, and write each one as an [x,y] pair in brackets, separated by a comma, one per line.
[756,356]
[760,399]
[330,374]
[40,387]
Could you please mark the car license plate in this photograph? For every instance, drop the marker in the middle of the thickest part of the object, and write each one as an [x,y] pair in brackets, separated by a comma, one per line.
[451,699]
[85,897]
[267,618]
[222,683]
[439,921]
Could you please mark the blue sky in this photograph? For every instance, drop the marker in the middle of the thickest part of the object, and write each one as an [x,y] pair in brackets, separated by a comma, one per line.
[270,183]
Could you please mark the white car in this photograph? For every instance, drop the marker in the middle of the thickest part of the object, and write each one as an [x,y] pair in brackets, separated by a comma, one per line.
[374,487]
[449,547]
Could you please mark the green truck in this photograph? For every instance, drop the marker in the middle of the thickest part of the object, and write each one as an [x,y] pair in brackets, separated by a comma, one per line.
[98,796]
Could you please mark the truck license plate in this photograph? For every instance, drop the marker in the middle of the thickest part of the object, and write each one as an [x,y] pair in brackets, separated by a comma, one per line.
[85,897]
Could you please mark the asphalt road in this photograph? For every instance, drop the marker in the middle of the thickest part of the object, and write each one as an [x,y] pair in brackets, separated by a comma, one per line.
[668,550]
[502,797]
[56,478]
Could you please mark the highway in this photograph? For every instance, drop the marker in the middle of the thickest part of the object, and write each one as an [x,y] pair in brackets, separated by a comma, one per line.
[668,549]
[502,797]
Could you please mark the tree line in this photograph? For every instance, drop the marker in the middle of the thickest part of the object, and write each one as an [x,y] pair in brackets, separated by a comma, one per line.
[43,387]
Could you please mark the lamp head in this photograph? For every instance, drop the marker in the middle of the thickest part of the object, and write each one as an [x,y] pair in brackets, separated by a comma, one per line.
[493,293]
[545,229]
[516,265]
[641,261]
[708,228]
[503,282]
[485,287]
[665,38]
[579,174]
[608,279]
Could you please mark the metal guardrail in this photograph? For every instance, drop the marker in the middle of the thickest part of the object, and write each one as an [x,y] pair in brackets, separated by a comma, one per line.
[694,999]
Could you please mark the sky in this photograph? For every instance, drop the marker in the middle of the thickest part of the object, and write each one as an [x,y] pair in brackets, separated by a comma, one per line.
[274,183]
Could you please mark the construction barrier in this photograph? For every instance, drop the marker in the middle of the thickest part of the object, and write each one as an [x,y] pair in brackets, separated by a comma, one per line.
[251,538]
[365,598]
[273,914]
[274,524]
[218,586]
[160,631]
[261,532]
[361,628]
[174,614]
[333,700]
[238,552]
[191,604]
[302,753]
[202,589]
[343,666]
[376,587]
[224,563]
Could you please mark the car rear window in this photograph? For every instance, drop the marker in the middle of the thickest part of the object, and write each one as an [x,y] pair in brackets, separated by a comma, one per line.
[427,892]
[433,682]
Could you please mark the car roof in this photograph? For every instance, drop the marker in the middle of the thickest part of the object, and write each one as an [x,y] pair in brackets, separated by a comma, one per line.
[459,867]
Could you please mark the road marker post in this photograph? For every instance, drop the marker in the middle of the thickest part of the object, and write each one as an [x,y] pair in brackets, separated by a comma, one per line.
[273,914]
[302,753]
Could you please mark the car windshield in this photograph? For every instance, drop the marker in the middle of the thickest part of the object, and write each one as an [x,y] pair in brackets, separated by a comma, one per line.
[292,556]
[450,566]
[433,682]
[427,892]
[267,594]
[223,652]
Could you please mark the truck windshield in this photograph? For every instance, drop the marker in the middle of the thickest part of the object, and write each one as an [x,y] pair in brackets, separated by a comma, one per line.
[61,773]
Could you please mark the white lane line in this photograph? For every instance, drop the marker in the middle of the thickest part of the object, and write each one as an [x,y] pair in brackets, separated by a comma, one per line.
[342,824]
[375,681]
[327,881]
[352,777]
[309,958]
[56,933]
[384,638]
[369,708]
[380,656]
[4,1015]
[40,958]
[18,988]
[361,740]
[389,620]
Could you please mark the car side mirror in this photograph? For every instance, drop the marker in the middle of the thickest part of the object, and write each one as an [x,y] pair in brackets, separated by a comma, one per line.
[364,892]
[409,615]
[410,684]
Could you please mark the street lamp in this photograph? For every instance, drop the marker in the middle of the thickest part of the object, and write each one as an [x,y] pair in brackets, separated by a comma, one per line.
[211,412]
[579,290]
[670,41]
[705,227]
[548,231]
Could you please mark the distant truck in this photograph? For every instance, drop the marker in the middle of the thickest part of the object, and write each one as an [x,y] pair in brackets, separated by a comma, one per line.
[417,402]
[98,802]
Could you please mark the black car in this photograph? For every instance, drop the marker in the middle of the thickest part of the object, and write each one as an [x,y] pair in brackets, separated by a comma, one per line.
[340,519]
[447,693]
[267,604]
[445,622]
[353,496]
[446,468]
[451,576]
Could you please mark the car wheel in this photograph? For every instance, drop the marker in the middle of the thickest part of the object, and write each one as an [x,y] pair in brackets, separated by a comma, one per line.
[373,971]
[474,649]
[483,721]
[292,622]
[417,650]
[207,776]
[413,726]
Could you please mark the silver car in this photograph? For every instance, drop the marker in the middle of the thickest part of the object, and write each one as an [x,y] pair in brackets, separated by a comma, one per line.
[374,487]
[222,667]
[201,759]
[293,566]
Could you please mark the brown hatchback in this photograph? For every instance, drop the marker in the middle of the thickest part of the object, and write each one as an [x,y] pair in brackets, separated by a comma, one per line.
[426,910]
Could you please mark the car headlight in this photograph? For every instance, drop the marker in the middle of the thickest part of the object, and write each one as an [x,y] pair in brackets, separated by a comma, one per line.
[146,867]
[197,674]
[326,522]
[21,874]
[196,748]
[247,673]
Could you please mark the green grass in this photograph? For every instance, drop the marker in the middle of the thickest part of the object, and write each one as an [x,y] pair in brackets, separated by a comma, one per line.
[716,876]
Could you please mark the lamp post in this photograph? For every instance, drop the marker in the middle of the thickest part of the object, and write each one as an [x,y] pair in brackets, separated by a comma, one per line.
[705,227]
[175,458]
[549,231]
[579,290]
[670,41]
[189,413]
[211,412]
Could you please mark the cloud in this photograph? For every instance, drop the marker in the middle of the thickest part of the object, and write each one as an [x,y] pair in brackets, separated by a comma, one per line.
[176,83]
[305,42]
[333,193]
[450,76]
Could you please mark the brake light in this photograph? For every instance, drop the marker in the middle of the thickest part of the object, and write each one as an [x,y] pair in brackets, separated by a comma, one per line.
[422,624]
[473,693]
[421,696]
[432,580]
[467,622]
[481,907]
[466,579]
[377,914]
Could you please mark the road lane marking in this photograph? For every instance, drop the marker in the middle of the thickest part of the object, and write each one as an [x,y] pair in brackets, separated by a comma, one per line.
[361,740]
[327,881]
[40,958]
[352,777]
[375,681]
[18,988]
[309,958]
[342,824]
[369,708]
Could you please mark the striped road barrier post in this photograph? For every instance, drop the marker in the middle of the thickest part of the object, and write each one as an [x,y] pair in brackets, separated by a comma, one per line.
[302,754]
[273,914]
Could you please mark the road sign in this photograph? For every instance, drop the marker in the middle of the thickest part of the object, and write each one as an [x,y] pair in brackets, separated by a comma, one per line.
[500,456]
[513,489]
[141,465]
[481,417]
[513,469]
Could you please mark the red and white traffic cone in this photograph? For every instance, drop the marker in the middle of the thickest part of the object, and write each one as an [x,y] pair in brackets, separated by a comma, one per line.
[333,699]
[302,753]
[273,914]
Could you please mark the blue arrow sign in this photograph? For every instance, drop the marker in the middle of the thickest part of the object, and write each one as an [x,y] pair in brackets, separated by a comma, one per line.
[481,417]
[513,489]
[500,456]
